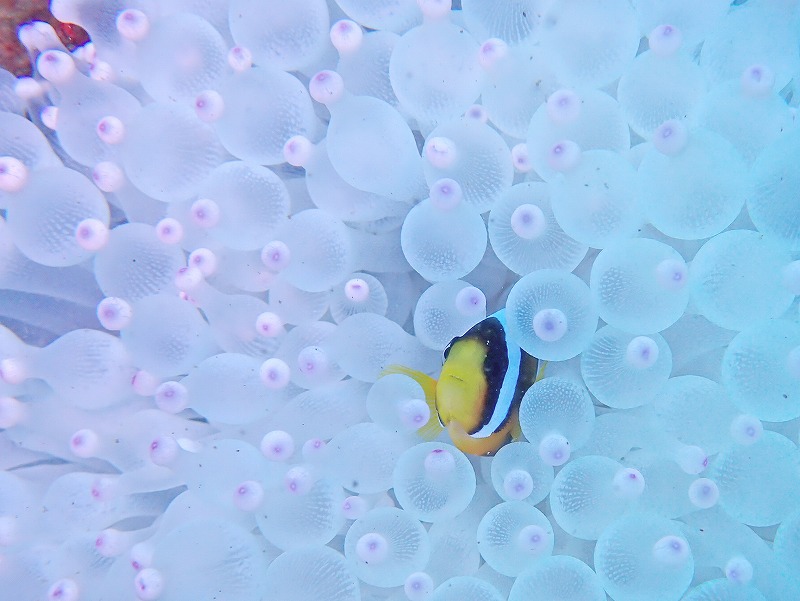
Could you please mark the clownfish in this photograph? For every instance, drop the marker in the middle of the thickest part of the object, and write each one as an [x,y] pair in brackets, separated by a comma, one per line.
[477,396]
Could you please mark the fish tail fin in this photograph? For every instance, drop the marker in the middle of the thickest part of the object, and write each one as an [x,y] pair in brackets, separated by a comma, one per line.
[541,370]
[516,429]
[431,430]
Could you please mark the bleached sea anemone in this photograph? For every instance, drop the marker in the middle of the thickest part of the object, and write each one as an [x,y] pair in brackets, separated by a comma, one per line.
[240,238]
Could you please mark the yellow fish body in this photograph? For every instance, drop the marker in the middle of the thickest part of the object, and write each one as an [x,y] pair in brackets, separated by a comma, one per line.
[478,393]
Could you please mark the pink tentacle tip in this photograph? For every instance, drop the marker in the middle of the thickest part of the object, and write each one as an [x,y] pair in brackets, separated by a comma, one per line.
[12,411]
[563,107]
[520,156]
[108,176]
[357,290]
[91,234]
[240,59]
[758,81]
[84,443]
[564,156]
[270,325]
[665,40]
[439,462]
[550,325]
[169,231]
[372,548]
[248,495]
[163,450]
[277,445]
[313,361]
[471,301]
[171,397]
[13,371]
[671,137]
[149,584]
[326,87]
[672,274]
[440,152]
[188,278]
[13,174]
[518,484]
[671,550]
[275,373]
[56,66]
[110,543]
[103,490]
[492,51]
[478,113]
[111,130]
[209,106]
[435,9]
[314,449]
[346,36]
[133,25]
[205,213]
[205,260]
[528,221]
[533,539]
[298,150]
[276,256]
[554,449]
[65,589]
[298,481]
[414,414]
[446,194]
[114,313]
[144,383]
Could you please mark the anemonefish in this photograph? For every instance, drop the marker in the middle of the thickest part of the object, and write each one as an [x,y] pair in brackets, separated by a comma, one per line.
[477,396]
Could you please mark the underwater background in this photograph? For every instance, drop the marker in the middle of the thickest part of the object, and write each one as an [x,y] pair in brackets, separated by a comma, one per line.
[342,300]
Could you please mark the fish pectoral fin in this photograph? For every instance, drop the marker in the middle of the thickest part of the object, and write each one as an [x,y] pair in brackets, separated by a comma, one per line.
[431,431]
[476,446]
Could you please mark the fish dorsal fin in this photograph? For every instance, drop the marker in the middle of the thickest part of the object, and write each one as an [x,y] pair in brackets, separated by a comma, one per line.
[427,382]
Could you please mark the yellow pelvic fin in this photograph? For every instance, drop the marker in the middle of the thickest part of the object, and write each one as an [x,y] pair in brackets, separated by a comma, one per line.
[477,446]
[431,430]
